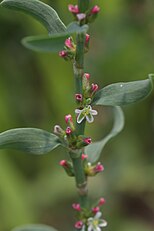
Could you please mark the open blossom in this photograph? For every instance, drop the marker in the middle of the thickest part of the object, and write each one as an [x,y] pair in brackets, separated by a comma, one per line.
[85,113]
[95,223]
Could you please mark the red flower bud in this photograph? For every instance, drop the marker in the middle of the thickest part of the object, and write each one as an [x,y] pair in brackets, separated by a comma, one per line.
[73,9]
[78,225]
[95,9]
[101,201]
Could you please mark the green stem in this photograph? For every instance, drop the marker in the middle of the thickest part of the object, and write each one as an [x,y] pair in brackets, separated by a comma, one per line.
[81,180]
[83,5]
[78,67]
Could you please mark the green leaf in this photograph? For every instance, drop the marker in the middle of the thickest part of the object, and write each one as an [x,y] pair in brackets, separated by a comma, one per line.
[40,11]
[119,94]
[34,228]
[52,43]
[45,43]
[74,27]
[94,150]
[32,140]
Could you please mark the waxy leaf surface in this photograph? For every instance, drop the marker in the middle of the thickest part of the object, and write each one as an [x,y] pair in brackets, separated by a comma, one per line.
[94,150]
[36,227]
[32,140]
[123,93]
[52,43]
[40,11]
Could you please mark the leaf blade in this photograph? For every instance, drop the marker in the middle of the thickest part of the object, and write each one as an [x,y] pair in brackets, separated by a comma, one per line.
[52,43]
[31,140]
[119,94]
[94,150]
[40,11]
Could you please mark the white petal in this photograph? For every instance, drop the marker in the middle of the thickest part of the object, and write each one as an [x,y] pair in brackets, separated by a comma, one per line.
[93,112]
[77,111]
[90,228]
[98,228]
[89,118]
[103,223]
[80,118]
[98,215]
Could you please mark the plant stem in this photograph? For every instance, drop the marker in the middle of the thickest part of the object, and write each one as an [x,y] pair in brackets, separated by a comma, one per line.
[78,67]
[83,5]
[81,180]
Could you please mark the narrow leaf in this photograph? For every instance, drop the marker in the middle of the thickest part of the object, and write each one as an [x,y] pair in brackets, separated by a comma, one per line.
[34,228]
[40,11]
[45,43]
[52,43]
[119,94]
[94,150]
[32,140]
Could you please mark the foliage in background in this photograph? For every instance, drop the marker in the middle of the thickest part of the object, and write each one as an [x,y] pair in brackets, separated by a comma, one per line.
[129,54]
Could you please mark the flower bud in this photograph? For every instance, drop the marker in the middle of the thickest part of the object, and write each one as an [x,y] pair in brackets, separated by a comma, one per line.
[78,97]
[69,121]
[73,8]
[63,54]
[87,140]
[101,201]
[58,130]
[94,87]
[95,209]
[78,225]
[95,9]
[99,167]
[68,131]
[76,207]
[67,167]
[69,44]
[84,156]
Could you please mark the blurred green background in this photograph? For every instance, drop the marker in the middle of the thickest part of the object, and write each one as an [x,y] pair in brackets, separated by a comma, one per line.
[36,90]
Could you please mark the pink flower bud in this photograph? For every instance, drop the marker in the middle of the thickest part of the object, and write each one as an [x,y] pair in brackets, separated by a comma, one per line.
[101,201]
[68,131]
[68,118]
[76,207]
[87,75]
[95,210]
[81,16]
[63,163]
[63,54]
[84,156]
[73,9]
[95,9]
[87,140]
[94,87]
[68,43]
[99,167]
[87,38]
[78,97]
[78,225]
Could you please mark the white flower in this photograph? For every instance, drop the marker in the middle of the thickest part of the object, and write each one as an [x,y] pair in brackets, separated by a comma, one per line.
[95,223]
[87,112]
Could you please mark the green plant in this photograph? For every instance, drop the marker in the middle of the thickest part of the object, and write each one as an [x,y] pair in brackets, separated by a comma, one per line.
[72,42]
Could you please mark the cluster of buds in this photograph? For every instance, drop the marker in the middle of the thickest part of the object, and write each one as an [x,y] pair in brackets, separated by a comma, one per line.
[91,169]
[84,17]
[69,136]
[84,100]
[89,219]
[69,49]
